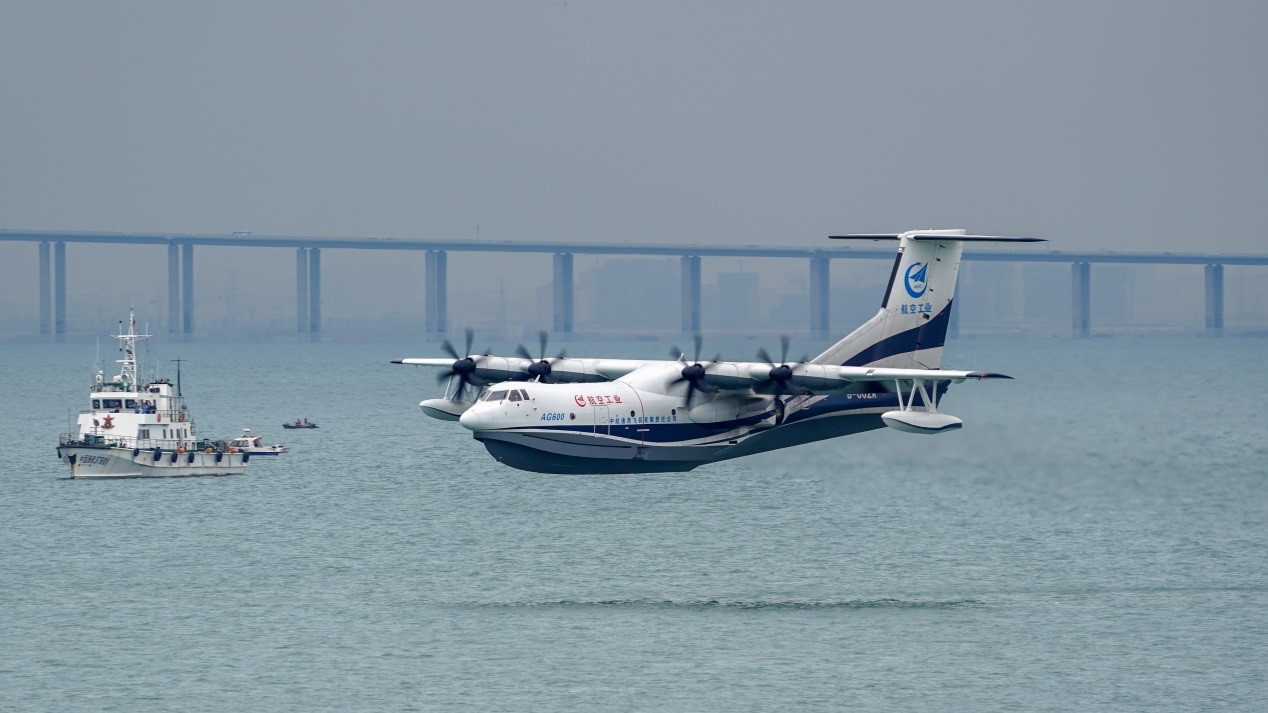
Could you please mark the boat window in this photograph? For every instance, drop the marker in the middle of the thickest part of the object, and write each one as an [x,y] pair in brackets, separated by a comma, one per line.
[130,403]
[112,403]
[495,395]
[96,403]
[515,395]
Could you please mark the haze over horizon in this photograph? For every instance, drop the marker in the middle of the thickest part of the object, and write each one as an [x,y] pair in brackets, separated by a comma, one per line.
[1120,126]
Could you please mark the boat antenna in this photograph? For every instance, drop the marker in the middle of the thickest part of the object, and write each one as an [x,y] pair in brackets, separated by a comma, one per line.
[178,375]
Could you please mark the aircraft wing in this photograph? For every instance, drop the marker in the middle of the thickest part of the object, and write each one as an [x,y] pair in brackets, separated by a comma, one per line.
[723,375]
[762,377]
[489,368]
[863,373]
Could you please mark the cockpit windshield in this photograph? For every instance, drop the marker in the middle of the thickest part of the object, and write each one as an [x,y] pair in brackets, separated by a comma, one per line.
[495,395]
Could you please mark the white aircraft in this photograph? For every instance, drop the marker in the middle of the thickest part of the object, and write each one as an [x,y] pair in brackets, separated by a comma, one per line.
[567,415]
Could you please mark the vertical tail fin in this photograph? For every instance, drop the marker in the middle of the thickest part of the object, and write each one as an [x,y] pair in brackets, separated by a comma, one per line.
[910,329]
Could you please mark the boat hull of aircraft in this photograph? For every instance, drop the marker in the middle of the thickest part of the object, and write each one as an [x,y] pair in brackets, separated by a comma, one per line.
[680,447]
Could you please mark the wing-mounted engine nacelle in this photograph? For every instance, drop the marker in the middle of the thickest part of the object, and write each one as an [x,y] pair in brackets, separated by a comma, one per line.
[444,409]
[818,377]
[575,371]
[494,369]
[730,411]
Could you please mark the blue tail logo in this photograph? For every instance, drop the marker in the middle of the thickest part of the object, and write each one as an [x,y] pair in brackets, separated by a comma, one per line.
[914,280]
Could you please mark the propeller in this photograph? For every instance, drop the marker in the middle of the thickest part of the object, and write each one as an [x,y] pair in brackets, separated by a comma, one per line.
[463,367]
[539,370]
[780,375]
[694,372]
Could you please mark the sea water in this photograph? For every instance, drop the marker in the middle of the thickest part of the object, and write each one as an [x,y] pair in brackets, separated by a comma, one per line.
[1095,538]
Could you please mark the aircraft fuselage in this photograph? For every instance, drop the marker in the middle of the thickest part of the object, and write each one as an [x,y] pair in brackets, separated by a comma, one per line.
[641,423]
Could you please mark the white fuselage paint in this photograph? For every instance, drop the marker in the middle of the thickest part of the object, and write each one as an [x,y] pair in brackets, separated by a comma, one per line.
[641,422]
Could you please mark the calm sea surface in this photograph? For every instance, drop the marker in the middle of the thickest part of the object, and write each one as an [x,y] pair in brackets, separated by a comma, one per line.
[1096,538]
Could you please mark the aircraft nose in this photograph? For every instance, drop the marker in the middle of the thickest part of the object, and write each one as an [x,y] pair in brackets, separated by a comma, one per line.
[473,419]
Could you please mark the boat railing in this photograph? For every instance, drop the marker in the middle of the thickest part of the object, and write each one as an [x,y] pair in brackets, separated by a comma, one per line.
[98,440]
[167,415]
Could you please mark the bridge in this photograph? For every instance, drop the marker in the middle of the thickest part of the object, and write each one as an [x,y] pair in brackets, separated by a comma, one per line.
[181,247]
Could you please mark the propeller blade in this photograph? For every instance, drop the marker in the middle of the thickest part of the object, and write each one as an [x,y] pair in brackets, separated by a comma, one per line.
[447,348]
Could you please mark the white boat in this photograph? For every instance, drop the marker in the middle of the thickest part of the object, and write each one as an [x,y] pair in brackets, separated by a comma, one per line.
[135,430]
[251,443]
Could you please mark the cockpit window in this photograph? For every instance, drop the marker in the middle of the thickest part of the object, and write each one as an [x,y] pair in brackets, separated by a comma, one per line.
[524,394]
[495,395]
[515,396]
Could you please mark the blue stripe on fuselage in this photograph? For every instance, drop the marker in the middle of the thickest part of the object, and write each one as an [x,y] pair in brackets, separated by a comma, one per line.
[685,430]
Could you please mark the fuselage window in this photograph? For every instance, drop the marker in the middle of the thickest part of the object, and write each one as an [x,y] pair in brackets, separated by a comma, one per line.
[495,396]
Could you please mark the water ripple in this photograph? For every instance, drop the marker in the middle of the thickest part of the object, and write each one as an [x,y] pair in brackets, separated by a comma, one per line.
[724,604]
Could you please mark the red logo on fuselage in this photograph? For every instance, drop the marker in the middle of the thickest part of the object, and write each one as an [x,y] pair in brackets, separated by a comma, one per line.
[581,400]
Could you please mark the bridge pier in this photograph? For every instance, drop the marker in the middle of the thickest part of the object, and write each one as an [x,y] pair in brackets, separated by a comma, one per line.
[1081,292]
[690,294]
[173,288]
[59,290]
[820,295]
[46,321]
[1214,300]
[314,293]
[436,295]
[187,289]
[563,293]
[301,290]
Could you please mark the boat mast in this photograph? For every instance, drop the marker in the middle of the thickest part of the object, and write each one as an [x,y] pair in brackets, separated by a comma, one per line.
[127,372]
[178,375]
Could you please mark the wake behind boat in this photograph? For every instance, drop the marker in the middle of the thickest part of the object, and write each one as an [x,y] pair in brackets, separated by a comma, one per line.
[135,430]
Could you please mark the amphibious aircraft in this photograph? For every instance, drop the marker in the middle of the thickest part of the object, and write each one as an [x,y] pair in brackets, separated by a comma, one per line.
[571,415]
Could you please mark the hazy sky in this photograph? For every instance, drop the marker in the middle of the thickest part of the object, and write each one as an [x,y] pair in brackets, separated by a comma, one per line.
[1123,125]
